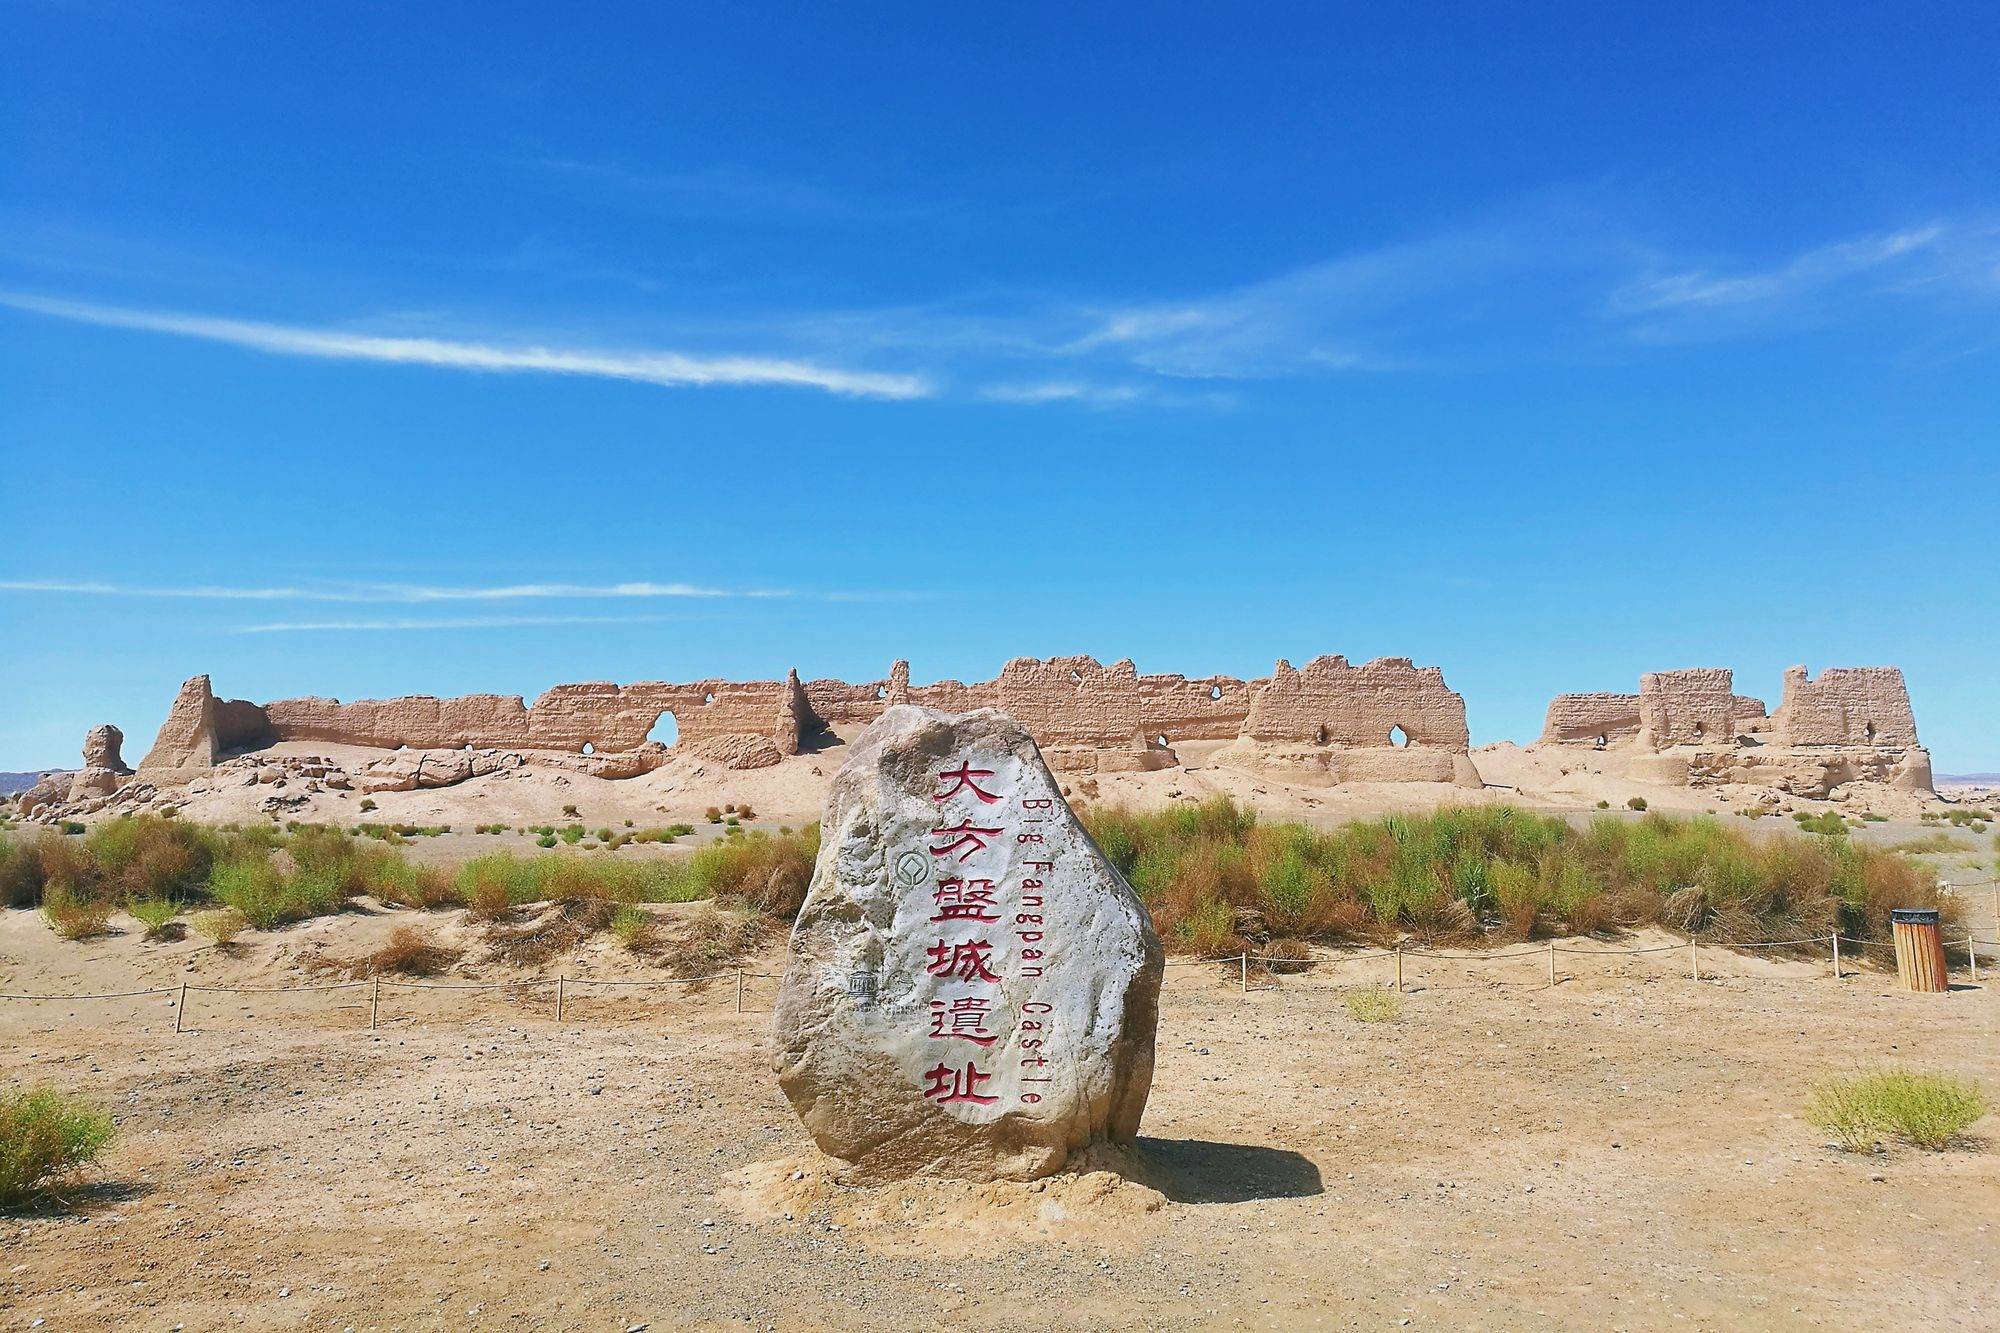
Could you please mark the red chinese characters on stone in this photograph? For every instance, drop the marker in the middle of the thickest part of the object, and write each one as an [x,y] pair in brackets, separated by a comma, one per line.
[961,779]
[963,835]
[964,1019]
[965,960]
[946,1084]
[964,900]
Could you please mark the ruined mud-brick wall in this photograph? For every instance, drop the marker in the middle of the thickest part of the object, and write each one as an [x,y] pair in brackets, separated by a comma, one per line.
[1591,717]
[1062,701]
[1608,717]
[1846,706]
[1328,702]
[1078,701]
[1073,703]
[600,715]
[1696,706]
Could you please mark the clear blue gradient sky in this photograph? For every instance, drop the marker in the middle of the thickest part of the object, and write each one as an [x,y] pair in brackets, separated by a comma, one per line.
[366,349]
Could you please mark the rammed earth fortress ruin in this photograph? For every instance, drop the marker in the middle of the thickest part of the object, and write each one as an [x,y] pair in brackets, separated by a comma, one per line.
[1326,722]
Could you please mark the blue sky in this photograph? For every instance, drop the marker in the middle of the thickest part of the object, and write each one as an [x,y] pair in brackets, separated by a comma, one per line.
[372,349]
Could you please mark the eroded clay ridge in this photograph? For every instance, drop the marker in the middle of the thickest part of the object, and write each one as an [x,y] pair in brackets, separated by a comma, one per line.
[1086,714]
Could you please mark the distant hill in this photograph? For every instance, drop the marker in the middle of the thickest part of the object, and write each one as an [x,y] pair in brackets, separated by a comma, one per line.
[13,782]
[1969,779]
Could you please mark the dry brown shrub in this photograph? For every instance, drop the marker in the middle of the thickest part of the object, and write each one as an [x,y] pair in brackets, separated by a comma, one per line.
[1283,957]
[66,866]
[410,952]
[1351,920]
[564,925]
[784,890]
[1449,921]
[487,900]
[1686,910]
[711,939]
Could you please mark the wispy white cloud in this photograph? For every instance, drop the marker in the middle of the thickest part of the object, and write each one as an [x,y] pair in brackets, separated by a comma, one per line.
[396,592]
[1932,270]
[1811,269]
[728,191]
[469,622]
[1063,391]
[674,369]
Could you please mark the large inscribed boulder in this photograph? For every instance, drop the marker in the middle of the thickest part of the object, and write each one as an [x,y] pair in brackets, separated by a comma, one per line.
[972,988]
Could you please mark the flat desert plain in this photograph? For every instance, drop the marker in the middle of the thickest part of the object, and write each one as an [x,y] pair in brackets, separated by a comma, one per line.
[1625,1150]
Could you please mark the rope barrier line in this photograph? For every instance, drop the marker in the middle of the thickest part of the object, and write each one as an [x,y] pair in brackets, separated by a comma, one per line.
[270,990]
[462,985]
[108,995]
[663,981]
[1240,959]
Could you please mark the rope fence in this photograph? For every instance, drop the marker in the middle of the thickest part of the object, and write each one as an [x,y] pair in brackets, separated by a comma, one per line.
[1272,962]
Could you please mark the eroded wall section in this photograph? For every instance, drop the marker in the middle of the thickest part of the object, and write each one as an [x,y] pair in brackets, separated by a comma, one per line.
[1067,703]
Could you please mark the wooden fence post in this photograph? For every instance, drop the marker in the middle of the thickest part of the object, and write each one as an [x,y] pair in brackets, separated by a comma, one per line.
[180,1010]
[1243,959]
[1694,962]
[1836,955]
[1972,956]
[1552,962]
[562,983]
[1399,969]
[374,1003]
[739,990]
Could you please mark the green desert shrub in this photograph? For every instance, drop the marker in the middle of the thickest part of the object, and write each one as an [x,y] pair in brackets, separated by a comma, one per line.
[220,926]
[1924,1110]
[1827,823]
[155,914]
[635,928]
[46,1137]
[75,918]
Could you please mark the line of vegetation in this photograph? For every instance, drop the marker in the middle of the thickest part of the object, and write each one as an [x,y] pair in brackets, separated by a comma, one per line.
[226,880]
[1217,880]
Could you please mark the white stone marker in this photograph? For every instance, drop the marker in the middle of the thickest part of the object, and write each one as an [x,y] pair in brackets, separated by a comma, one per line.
[972,988]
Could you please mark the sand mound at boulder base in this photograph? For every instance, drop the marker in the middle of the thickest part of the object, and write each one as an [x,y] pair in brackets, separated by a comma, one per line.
[943,1216]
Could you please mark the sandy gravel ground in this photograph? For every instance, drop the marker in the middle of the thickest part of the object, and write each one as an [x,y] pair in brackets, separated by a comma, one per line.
[1624,1151]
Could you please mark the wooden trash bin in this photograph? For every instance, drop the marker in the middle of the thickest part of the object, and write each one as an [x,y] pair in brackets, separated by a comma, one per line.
[1919,949]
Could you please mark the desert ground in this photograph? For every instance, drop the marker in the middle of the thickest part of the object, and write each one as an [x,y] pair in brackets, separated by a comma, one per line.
[1625,1150]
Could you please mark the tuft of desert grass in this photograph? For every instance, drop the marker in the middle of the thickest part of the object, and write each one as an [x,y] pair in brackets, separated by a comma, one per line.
[1924,1110]
[1373,1004]
[1936,842]
[157,916]
[219,926]
[46,1137]
[635,929]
